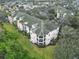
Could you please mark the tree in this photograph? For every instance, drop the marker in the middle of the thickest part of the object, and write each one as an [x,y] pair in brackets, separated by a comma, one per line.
[68,45]
[10,48]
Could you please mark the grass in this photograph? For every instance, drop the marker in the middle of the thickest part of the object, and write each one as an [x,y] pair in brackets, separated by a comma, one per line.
[33,50]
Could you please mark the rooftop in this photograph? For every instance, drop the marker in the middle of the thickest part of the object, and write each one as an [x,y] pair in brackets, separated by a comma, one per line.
[47,25]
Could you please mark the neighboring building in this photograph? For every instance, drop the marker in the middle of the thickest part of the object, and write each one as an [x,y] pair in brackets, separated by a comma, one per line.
[61,11]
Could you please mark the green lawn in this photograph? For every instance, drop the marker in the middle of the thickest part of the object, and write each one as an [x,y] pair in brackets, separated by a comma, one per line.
[33,50]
